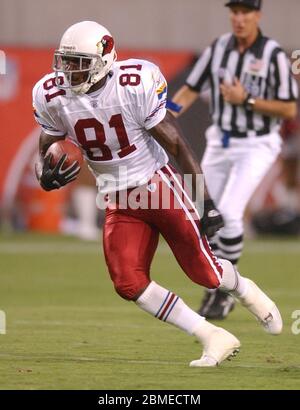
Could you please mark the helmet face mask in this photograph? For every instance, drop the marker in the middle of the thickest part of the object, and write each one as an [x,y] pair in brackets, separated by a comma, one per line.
[76,67]
[85,55]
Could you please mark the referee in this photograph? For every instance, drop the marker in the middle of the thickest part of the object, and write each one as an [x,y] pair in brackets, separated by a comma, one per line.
[252,90]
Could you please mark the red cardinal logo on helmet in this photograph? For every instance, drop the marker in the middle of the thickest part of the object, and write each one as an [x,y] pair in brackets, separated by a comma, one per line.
[107,44]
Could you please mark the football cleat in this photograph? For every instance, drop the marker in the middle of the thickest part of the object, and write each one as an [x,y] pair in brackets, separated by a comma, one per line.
[216,305]
[263,308]
[221,345]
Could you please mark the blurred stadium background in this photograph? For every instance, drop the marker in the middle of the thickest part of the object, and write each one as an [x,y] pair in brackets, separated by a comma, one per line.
[171,34]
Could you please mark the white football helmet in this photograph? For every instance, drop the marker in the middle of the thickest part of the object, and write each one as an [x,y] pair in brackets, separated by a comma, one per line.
[85,55]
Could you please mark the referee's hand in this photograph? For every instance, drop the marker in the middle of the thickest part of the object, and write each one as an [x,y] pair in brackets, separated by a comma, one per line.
[235,93]
[212,220]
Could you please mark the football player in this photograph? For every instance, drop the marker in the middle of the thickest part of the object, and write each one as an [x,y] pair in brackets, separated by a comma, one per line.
[116,112]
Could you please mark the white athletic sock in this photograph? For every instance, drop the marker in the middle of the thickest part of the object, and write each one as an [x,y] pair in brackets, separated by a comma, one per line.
[232,281]
[168,307]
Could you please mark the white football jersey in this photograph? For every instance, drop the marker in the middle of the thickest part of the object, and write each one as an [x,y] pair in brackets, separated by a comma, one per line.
[110,125]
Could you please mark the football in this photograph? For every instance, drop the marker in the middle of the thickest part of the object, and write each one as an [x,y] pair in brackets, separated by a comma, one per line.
[57,149]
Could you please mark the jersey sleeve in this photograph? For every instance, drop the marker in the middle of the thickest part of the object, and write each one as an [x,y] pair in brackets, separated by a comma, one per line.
[152,97]
[286,88]
[44,113]
[199,77]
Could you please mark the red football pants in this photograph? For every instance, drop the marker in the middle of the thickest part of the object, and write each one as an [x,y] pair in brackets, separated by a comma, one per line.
[130,236]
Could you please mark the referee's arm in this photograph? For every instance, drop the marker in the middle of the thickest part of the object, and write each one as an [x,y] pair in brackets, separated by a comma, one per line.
[276,108]
[236,95]
[186,95]
[285,89]
[284,105]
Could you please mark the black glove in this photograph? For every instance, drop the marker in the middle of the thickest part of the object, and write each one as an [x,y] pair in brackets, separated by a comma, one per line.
[211,220]
[56,177]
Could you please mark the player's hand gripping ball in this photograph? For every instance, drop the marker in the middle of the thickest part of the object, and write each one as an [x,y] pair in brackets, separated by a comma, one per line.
[62,165]
[60,148]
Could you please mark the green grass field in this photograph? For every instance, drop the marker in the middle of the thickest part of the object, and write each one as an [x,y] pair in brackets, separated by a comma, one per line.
[67,329]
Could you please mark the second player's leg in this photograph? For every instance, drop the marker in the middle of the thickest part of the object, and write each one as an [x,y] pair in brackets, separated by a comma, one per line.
[249,168]
[216,166]
[192,251]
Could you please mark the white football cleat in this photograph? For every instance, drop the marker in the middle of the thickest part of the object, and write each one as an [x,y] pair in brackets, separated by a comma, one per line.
[263,308]
[221,345]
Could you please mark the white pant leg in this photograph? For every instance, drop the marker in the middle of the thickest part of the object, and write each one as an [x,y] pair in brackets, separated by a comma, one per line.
[216,168]
[249,166]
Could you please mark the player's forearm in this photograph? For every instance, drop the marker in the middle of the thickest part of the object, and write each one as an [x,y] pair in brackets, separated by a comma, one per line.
[45,141]
[282,109]
[189,165]
[169,135]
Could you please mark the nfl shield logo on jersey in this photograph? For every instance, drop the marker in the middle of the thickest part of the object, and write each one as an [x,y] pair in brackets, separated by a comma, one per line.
[94,103]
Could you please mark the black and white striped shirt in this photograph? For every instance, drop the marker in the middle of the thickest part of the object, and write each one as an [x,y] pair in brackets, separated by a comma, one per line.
[263,69]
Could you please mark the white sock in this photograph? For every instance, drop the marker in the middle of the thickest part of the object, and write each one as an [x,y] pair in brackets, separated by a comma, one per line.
[168,307]
[232,281]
